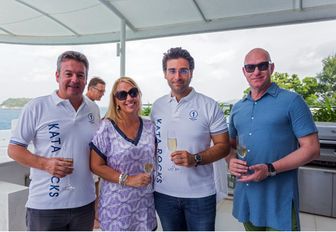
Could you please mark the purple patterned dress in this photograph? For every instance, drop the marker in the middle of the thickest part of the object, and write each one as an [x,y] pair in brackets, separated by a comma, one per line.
[123,207]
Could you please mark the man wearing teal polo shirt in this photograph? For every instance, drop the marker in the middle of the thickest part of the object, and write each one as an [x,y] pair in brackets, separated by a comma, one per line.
[274,134]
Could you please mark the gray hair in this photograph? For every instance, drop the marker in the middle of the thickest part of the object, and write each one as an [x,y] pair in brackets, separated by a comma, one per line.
[73,55]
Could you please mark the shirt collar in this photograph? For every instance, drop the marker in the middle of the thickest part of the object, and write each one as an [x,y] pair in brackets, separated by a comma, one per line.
[186,98]
[57,100]
[273,90]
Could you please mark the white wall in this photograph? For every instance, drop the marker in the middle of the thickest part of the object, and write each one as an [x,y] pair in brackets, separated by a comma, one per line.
[13,172]
[13,198]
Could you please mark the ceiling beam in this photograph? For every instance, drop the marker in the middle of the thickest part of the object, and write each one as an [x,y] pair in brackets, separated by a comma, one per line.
[109,5]
[8,32]
[284,17]
[48,16]
[200,11]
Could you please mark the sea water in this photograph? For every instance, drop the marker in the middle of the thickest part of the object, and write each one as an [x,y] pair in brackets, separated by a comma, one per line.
[6,117]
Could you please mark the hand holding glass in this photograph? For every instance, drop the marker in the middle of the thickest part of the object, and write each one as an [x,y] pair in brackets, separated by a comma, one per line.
[68,185]
[149,167]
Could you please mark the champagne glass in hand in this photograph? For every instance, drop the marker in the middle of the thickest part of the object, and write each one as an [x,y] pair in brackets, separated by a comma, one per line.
[68,184]
[172,146]
[241,149]
[149,167]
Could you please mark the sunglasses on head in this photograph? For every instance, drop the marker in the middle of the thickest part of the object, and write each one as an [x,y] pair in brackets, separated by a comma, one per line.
[122,95]
[261,66]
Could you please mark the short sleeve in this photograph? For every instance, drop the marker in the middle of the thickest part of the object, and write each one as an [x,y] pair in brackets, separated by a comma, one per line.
[24,132]
[99,142]
[301,118]
[217,120]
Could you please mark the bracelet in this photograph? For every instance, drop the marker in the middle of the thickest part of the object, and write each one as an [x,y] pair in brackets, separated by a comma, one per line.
[122,178]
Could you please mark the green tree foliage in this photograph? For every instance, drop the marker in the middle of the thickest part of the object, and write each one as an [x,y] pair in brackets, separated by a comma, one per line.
[225,107]
[327,81]
[14,102]
[326,113]
[146,110]
[327,77]
[307,88]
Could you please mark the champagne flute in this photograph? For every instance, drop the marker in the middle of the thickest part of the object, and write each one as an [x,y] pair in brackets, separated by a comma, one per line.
[68,184]
[148,168]
[172,146]
[241,148]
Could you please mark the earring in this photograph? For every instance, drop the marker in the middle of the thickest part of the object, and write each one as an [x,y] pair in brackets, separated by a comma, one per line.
[118,107]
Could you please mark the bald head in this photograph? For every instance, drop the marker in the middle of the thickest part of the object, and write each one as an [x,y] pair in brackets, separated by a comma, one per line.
[258,69]
[257,52]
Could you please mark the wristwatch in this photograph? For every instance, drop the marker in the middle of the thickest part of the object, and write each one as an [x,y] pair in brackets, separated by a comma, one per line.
[271,170]
[198,159]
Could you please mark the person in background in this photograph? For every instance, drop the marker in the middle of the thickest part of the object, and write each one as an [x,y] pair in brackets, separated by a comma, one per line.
[95,91]
[186,122]
[274,134]
[61,126]
[123,155]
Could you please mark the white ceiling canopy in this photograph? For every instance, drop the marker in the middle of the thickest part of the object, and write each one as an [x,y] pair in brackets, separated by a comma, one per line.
[60,22]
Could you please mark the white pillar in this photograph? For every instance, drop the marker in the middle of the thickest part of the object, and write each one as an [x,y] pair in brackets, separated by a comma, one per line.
[122,47]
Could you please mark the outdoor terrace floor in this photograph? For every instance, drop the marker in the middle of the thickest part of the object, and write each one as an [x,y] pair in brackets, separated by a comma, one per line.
[309,222]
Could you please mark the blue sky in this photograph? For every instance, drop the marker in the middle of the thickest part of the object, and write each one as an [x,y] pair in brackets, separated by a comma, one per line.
[29,71]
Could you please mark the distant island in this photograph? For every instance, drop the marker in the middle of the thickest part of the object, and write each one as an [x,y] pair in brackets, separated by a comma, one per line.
[14,103]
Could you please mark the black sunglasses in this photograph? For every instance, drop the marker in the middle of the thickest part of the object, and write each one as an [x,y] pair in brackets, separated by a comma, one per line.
[261,66]
[122,95]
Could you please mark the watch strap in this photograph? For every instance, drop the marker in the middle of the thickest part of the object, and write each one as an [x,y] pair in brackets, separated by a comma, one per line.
[271,169]
[198,159]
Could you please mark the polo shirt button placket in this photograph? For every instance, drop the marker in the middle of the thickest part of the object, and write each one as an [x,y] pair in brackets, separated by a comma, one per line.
[175,109]
[248,150]
[175,114]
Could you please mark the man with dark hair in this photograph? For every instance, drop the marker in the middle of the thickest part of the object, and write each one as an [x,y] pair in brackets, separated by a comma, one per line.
[61,126]
[274,134]
[186,124]
[95,89]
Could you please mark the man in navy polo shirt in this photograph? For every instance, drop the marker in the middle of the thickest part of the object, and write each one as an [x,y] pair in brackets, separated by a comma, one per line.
[274,134]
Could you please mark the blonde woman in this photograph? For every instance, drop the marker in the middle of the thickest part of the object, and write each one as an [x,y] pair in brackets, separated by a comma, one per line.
[122,146]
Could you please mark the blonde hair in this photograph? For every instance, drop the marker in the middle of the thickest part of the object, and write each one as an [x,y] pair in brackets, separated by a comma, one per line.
[113,113]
